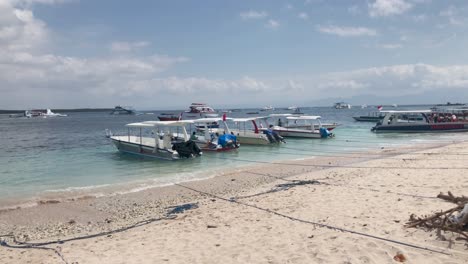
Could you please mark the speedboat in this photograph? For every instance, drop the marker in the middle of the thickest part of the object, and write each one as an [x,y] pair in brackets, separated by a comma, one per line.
[321,132]
[123,110]
[268,108]
[418,121]
[292,107]
[342,105]
[42,113]
[155,139]
[169,117]
[214,138]
[370,117]
[246,135]
[200,110]
[294,124]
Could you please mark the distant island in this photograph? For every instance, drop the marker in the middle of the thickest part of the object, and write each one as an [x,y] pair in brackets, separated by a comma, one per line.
[450,104]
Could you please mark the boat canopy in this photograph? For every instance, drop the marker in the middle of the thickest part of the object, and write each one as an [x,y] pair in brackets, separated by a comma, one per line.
[139,125]
[279,115]
[407,111]
[168,123]
[244,119]
[303,117]
[209,120]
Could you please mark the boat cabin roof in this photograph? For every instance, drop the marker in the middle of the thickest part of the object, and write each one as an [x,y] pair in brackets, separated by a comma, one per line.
[179,123]
[139,125]
[407,111]
[209,120]
[303,117]
[244,119]
[279,115]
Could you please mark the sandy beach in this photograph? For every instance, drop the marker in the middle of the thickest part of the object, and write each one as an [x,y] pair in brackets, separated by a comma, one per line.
[346,210]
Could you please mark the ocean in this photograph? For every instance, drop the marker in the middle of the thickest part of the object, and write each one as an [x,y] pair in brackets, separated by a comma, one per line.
[66,156]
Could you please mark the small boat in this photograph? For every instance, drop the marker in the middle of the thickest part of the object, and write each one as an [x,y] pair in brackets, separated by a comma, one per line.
[370,117]
[123,110]
[169,117]
[161,145]
[214,139]
[268,108]
[247,136]
[321,132]
[200,110]
[298,125]
[42,113]
[292,107]
[342,105]
[418,121]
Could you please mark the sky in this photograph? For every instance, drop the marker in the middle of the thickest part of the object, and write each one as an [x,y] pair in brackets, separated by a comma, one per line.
[153,54]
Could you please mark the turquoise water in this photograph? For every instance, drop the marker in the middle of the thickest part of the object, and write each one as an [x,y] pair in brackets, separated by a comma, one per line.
[71,154]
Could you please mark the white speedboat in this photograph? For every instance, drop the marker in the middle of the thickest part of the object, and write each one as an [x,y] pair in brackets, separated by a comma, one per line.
[155,139]
[342,105]
[268,108]
[200,110]
[42,113]
[247,136]
[292,107]
[309,121]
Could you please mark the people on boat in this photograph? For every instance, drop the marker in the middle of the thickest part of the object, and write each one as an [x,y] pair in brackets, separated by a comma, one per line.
[193,136]
[279,122]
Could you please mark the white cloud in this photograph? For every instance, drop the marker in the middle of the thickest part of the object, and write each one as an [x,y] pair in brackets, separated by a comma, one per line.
[19,29]
[273,24]
[347,31]
[388,7]
[391,46]
[251,14]
[303,15]
[127,46]
[453,16]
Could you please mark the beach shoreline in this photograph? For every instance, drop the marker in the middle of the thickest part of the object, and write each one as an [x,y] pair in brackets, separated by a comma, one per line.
[90,215]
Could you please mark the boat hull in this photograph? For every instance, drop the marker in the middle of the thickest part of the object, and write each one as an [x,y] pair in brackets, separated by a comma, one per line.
[125,146]
[422,128]
[298,134]
[250,140]
[367,118]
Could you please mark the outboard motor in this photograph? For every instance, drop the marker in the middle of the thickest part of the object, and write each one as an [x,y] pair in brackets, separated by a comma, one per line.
[186,149]
[270,137]
[324,133]
[278,138]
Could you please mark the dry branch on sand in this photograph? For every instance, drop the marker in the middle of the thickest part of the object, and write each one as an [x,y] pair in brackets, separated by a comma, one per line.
[453,220]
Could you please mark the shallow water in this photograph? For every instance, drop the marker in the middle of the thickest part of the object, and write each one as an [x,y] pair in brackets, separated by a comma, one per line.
[44,157]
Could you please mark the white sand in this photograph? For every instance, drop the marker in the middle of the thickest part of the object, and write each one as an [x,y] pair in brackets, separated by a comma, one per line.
[373,201]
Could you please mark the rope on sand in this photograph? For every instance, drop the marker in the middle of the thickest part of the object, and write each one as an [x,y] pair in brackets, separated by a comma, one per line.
[314,223]
[26,245]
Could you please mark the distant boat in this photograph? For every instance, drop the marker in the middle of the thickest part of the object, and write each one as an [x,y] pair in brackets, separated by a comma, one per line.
[363,106]
[200,110]
[371,117]
[42,113]
[451,104]
[342,105]
[123,110]
[297,111]
[292,107]
[169,117]
[268,108]
[394,105]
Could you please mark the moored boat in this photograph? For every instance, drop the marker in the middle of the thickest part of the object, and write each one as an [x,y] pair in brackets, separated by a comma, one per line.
[370,117]
[161,145]
[342,105]
[123,110]
[418,121]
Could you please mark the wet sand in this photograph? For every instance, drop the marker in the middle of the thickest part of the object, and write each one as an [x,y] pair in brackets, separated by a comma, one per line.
[261,226]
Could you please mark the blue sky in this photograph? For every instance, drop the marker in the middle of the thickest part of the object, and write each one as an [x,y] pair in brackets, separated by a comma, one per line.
[166,54]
